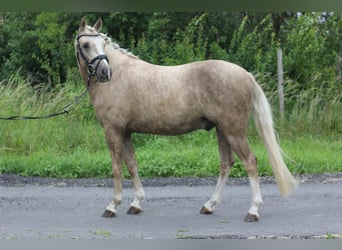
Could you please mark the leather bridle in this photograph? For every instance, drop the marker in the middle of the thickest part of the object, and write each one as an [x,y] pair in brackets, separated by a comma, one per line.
[90,64]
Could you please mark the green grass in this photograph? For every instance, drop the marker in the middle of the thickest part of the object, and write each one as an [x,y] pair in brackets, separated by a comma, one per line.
[73,146]
[182,234]
[103,233]
[171,156]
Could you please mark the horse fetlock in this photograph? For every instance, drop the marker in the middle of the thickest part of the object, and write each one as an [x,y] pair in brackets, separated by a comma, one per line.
[116,202]
[258,202]
[136,204]
[209,207]
[112,207]
[140,195]
[253,212]
[110,211]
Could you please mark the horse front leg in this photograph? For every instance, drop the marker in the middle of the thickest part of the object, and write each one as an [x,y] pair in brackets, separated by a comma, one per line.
[131,163]
[115,144]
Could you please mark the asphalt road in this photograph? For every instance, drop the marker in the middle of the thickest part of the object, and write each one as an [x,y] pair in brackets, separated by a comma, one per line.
[31,211]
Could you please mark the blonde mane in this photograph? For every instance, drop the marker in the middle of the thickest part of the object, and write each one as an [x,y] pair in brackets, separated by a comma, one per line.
[116,46]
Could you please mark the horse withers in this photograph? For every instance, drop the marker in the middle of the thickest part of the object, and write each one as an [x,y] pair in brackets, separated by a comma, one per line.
[139,97]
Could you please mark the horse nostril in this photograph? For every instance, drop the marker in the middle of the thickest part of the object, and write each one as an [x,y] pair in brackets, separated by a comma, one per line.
[106,73]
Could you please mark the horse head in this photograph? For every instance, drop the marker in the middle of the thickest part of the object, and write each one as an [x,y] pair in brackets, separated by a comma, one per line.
[90,51]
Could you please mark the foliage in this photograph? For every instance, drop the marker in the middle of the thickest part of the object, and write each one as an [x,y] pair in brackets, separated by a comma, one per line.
[39,44]
[256,50]
[308,61]
[51,43]
[310,41]
[39,76]
[18,48]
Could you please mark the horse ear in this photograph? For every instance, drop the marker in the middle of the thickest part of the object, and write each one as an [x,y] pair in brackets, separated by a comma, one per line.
[98,25]
[83,24]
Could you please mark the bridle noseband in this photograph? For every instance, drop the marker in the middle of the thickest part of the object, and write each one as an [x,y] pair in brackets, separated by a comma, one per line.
[90,67]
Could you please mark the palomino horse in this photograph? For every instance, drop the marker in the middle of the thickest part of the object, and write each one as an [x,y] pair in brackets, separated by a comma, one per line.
[130,95]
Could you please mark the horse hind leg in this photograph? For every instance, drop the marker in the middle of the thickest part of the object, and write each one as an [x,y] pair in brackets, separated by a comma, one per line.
[226,162]
[249,160]
[131,164]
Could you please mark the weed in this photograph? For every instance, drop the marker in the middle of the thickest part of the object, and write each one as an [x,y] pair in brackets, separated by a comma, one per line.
[181,234]
[103,233]
[224,222]
[11,237]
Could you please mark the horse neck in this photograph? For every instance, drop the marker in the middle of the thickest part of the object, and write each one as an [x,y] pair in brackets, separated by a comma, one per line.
[117,58]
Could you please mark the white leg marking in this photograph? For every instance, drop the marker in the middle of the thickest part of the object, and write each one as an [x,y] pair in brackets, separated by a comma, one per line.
[139,196]
[112,207]
[256,196]
[215,198]
[116,202]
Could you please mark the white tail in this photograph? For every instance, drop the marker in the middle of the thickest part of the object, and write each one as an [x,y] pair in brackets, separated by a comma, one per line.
[264,124]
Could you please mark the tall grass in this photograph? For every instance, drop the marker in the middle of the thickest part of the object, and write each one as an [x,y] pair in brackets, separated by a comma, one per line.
[316,113]
[73,145]
[59,134]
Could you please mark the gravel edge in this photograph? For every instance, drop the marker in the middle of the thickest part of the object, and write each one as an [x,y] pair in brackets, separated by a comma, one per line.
[18,180]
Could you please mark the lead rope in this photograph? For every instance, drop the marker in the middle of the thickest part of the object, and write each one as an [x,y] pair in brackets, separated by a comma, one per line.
[64,110]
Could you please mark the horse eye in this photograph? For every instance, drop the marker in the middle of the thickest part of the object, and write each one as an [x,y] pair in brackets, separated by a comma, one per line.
[85,46]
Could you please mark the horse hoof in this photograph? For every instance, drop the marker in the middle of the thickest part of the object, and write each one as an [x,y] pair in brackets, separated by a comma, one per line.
[251,218]
[205,210]
[108,214]
[133,210]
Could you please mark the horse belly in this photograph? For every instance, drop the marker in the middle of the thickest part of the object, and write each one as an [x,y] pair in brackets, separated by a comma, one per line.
[171,126]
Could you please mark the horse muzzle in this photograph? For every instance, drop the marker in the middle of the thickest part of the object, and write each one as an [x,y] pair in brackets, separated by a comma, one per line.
[104,74]
[100,68]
